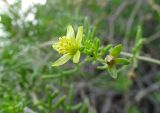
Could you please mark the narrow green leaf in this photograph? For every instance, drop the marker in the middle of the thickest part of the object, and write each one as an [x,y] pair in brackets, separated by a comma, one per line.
[133,109]
[113,71]
[70,100]
[138,46]
[62,60]
[102,67]
[93,32]
[106,49]
[77,106]
[138,34]
[122,61]
[69,71]
[139,41]
[122,84]
[97,44]
[57,75]
[76,57]
[79,35]
[84,107]
[156,97]
[55,94]
[59,103]
[116,50]
[71,94]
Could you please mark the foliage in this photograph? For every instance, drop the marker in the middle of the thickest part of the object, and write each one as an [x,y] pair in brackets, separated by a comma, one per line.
[29,82]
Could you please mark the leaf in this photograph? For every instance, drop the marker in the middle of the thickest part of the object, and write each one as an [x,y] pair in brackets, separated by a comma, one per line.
[84,106]
[122,84]
[138,34]
[71,93]
[77,106]
[122,61]
[97,44]
[138,46]
[70,32]
[106,49]
[59,103]
[51,76]
[76,57]
[79,35]
[133,109]
[93,33]
[116,50]
[70,99]
[102,67]
[139,41]
[155,97]
[113,71]
[55,94]
[62,60]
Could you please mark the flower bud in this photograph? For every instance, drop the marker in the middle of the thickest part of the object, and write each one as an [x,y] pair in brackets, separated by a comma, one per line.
[109,60]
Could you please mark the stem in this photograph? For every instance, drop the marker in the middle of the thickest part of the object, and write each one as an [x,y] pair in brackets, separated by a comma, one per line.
[143,58]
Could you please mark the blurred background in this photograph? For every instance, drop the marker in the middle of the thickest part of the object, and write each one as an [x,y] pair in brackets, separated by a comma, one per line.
[28,82]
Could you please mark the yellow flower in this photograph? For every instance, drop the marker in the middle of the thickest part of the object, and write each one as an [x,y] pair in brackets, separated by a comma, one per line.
[69,46]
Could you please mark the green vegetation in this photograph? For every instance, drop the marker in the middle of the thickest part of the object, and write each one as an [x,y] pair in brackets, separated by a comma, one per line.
[110,65]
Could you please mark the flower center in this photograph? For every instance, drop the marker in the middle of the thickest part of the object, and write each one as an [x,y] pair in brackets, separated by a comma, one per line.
[66,45]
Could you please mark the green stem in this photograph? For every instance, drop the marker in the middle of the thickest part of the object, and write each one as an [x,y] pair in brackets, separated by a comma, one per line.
[143,58]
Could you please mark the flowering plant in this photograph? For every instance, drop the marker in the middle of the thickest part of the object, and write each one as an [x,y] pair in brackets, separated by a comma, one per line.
[69,46]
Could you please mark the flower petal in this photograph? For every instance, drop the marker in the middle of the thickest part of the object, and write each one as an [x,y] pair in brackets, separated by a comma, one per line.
[79,35]
[70,32]
[76,57]
[62,60]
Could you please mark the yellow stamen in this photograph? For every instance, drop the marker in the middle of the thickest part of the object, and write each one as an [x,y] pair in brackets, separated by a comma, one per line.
[66,45]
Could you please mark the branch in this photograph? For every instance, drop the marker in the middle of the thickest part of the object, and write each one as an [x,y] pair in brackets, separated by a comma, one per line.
[152,38]
[154,6]
[146,91]
[143,58]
